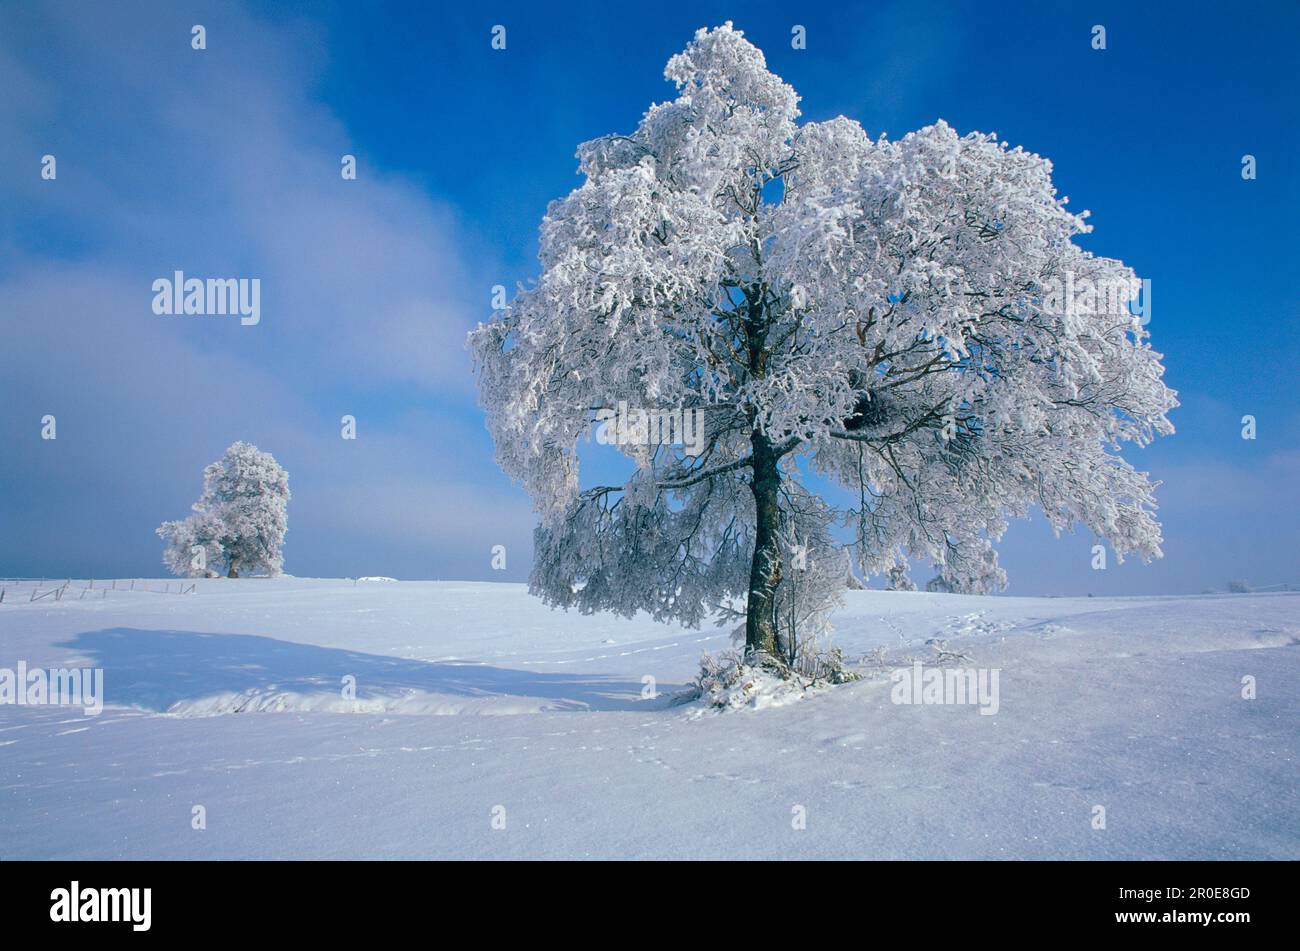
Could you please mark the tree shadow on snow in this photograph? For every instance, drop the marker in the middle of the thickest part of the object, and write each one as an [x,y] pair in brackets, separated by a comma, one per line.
[156,669]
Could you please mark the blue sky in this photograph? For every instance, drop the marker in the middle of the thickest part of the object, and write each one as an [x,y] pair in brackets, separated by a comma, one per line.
[225,162]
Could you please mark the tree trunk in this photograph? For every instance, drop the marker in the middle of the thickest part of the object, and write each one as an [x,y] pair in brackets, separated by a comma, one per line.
[234,570]
[765,571]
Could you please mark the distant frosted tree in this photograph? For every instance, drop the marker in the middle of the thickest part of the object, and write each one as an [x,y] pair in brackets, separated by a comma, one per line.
[911,320]
[239,522]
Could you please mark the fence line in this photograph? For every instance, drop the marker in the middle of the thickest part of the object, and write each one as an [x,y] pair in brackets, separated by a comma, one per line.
[14,585]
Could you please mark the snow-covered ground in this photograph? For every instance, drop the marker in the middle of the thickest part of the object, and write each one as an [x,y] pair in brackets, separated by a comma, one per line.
[477,707]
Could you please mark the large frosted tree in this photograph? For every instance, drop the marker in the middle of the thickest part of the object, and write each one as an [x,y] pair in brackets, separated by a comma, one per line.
[895,341]
[238,523]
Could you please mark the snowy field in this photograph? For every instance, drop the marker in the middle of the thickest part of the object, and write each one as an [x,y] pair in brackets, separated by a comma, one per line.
[477,707]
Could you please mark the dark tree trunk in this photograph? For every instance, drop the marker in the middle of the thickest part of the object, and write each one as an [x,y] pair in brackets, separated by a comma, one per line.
[765,571]
[234,570]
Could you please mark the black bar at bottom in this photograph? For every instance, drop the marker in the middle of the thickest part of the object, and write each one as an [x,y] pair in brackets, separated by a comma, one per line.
[336,899]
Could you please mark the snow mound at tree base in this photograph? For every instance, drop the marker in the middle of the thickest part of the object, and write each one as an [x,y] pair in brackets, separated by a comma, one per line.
[728,681]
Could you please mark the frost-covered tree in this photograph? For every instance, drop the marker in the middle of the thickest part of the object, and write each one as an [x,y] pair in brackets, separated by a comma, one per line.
[238,523]
[910,320]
